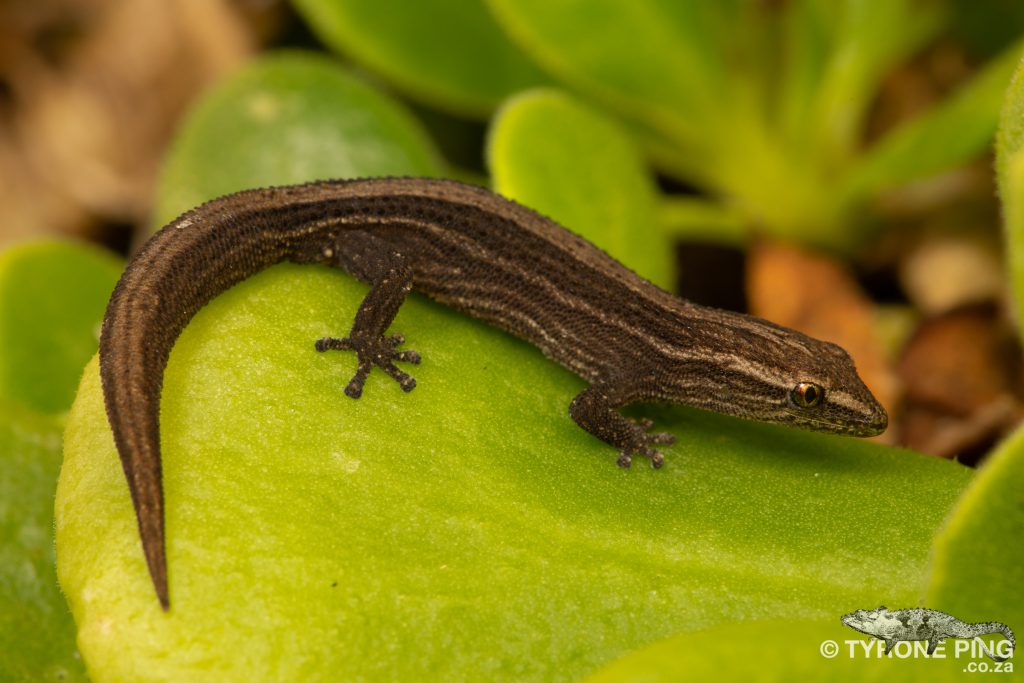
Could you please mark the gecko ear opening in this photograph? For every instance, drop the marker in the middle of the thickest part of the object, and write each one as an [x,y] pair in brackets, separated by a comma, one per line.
[881,607]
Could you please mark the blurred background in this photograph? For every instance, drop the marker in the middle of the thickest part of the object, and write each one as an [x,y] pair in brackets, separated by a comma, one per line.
[849,168]
[825,165]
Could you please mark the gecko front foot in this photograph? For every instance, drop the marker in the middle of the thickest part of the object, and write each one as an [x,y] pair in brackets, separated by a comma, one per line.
[381,352]
[642,443]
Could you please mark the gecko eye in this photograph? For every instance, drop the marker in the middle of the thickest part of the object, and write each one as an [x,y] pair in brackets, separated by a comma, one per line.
[807,394]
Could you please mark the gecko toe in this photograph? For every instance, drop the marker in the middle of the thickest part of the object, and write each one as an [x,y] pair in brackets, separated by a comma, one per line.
[333,344]
[391,351]
[638,442]
[379,352]
[656,458]
[645,444]
[662,438]
[410,357]
[404,380]
[355,385]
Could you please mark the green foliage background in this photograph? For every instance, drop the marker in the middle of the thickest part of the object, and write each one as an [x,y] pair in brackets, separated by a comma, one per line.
[469,529]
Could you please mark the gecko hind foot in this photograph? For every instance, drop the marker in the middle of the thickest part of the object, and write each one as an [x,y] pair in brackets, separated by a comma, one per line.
[643,444]
[381,352]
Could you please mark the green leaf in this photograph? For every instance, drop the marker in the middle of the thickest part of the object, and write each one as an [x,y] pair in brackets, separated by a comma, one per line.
[467,529]
[950,134]
[808,36]
[697,219]
[289,118]
[780,650]
[554,154]
[1010,138]
[446,53]
[718,98]
[52,298]
[986,28]
[37,635]
[1010,177]
[661,63]
[978,567]
[868,39]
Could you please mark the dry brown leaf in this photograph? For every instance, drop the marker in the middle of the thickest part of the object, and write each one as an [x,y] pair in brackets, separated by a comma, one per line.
[941,272]
[94,90]
[961,373]
[818,296]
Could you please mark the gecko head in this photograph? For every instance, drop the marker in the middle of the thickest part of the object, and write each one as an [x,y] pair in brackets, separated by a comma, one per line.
[871,622]
[826,393]
[754,369]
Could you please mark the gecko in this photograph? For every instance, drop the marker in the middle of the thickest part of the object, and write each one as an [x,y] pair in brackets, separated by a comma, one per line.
[484,255]
[922,624]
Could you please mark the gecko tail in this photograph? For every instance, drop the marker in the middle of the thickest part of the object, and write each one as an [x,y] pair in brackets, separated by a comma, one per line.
[139,447]
[151,530]
[991,655]
[994,627]
[164,285]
